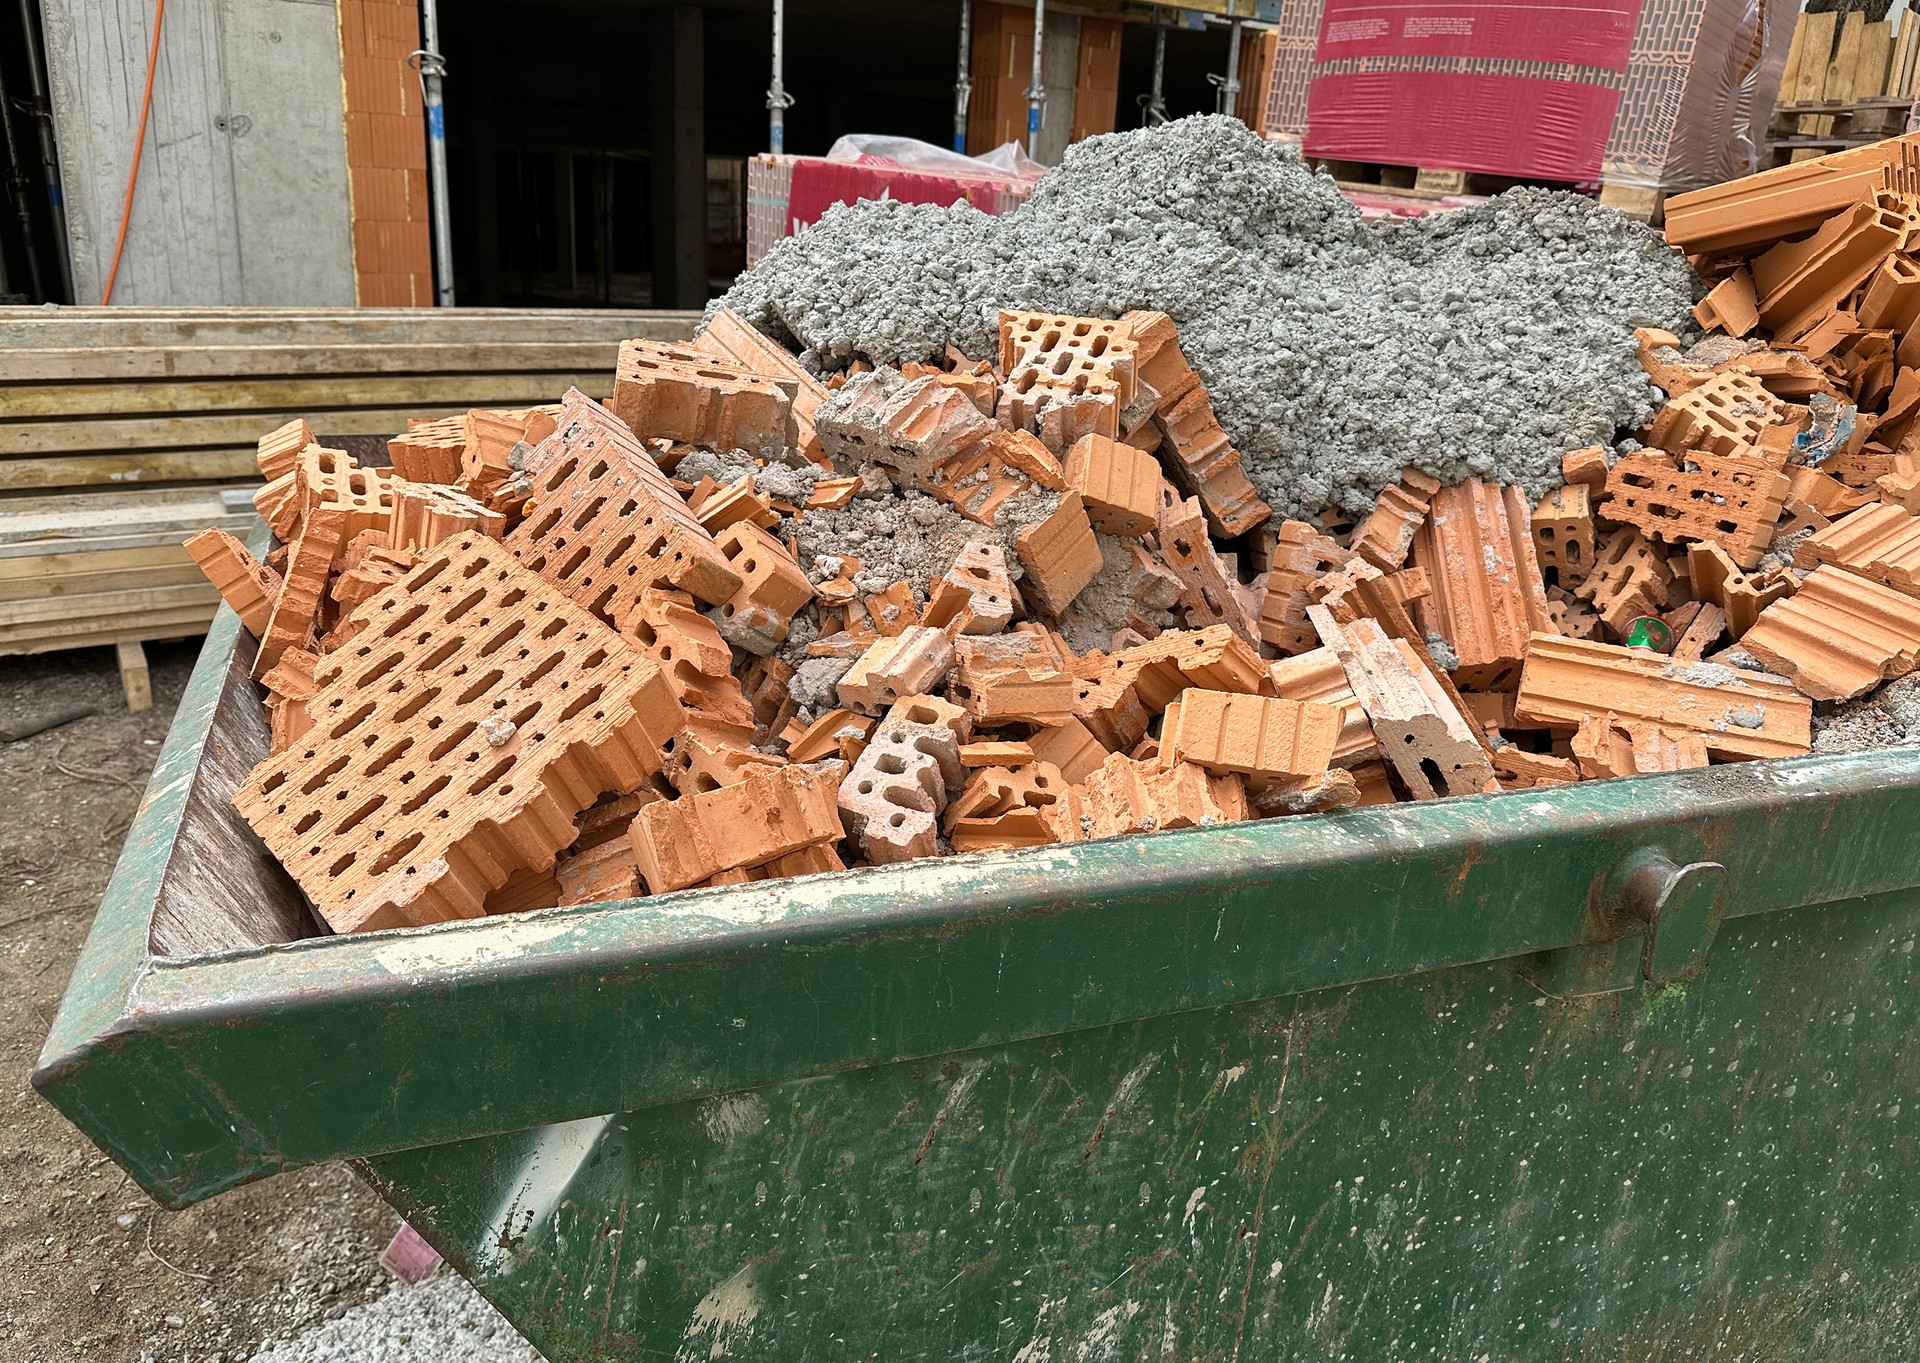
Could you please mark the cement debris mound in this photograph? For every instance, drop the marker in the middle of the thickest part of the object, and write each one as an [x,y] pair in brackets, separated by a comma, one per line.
[1481,343]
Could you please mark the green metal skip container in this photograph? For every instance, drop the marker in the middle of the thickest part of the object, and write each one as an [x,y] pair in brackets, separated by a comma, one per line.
[1614,1071]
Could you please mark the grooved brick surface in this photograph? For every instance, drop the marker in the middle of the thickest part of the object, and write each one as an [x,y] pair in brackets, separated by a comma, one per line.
[1385,537]
[279,449]
[1060,554]
[295,616]
[1487,598]
[1734,502]
[1839,636]
[769,813]
[1740,714]
[453,742]
[677,393]
[243,581]
[1119,484]
[1879,541]
[426,513]
[606,524]
[1257,736]
[759,616]
[915,660]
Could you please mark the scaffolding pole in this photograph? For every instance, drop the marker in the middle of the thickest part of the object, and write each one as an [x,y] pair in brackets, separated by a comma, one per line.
[778,100]
[1037,91]
[963,80]
[433,69]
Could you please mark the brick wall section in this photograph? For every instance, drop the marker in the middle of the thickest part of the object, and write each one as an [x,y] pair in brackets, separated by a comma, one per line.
[386,154]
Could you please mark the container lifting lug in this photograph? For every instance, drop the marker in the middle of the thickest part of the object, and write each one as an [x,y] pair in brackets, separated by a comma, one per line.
[1680,905]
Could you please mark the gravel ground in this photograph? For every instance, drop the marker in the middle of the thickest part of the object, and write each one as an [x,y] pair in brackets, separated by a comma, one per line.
[90,1267]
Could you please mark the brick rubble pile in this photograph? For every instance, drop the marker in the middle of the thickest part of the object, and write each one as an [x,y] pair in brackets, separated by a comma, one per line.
[738,623]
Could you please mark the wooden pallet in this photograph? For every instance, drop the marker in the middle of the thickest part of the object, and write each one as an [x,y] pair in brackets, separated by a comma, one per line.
[124,430]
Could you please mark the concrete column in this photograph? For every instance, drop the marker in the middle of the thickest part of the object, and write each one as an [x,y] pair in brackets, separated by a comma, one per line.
[677,146]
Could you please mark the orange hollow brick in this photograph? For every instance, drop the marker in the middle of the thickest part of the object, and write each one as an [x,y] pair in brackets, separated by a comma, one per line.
[334,479]
[913,661]
[290,686]
[1002,808]
[1385,537]
[1628,580]
[1070,746]
[1742,715]
[1519,769]
[996,754]
[278,503]
[1587,467]
[975,596]
[1733,501]
[1211,594]
[692,655]
[1060,554]
[1722,415]
[1839,636]
[1487,598]
[1065,377]
[1205,465]
[279,449]
[1262,738]
[493,452]
[430,451]
[676,393]
[1421,732]
[729,336]
[770,813]
[737,502]
[1317,676]
[837,732]
[708,753]
[1297,557]
[892,799]
[1214,659]
[1879,541]
[1151,585]
[1133,795]
[1563,534]
[1119,484]
[1716,579]
[598,875]
[296,610]
[426,513]
[773,589]
[605,523]
[243,581]
[444,755]
[995,692]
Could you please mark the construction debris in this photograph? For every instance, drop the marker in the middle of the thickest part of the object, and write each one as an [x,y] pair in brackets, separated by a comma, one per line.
[750,621]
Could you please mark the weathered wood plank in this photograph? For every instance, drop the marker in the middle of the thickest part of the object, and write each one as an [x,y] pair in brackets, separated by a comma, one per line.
[308,396]
[110,436]
[125,363]
[69,328]
[93,631]
[91,606]
[117,470]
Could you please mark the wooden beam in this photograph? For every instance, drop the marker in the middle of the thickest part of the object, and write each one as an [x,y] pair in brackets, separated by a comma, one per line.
[312,397]
[129,363]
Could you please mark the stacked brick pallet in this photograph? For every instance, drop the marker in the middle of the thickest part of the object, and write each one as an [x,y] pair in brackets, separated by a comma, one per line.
[530,666]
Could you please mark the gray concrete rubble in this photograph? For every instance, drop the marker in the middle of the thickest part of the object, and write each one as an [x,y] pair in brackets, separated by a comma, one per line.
[1485,342]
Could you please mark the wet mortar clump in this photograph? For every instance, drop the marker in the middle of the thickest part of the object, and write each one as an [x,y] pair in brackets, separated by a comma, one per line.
[1480,343]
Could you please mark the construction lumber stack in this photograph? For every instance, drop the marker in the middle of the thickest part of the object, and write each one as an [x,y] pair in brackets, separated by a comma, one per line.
[96,402]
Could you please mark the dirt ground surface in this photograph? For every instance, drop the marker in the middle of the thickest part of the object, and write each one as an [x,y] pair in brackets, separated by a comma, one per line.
[90,1267]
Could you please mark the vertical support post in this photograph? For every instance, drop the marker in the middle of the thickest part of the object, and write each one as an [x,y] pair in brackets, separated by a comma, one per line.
[678,153]
[433,67]
[41,112]
[1037,91]
[1157,103]
[1230,88]
[17,191]
[778,100]
[963,81]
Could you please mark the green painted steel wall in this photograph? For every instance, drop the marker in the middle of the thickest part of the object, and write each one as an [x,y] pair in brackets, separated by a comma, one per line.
[1449,1165]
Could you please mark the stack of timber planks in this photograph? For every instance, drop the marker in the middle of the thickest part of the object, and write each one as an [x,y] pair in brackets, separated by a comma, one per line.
[1847,82]
[124,430]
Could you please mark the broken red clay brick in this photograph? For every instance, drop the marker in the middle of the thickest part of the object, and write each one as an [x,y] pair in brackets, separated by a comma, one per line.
[1060,554]
[1385,537]
[243,581]
[915,660]
[1262,738]
[444,756]
[891,802]
[773,589]
[606,524]
[676,393]
[1119,484]
[771,812]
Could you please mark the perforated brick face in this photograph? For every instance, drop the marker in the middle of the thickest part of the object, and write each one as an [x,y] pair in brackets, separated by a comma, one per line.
[605,524]
[453,741]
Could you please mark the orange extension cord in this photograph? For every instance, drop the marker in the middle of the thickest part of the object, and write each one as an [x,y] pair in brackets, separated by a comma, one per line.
[139,146]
